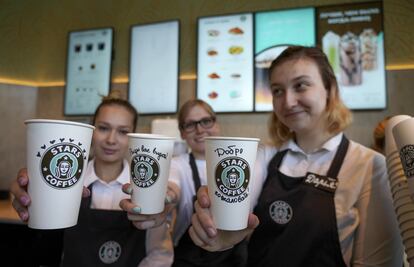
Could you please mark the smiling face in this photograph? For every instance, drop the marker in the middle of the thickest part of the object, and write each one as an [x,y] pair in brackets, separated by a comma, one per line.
[299,96]
[64,168]
[195,139]
[110,141]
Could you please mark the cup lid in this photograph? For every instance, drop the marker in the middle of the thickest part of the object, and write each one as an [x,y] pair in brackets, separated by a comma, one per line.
[150,136]
[228,138]
[59,122]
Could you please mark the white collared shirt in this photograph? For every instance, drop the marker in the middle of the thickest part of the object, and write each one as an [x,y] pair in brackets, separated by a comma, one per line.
[182,175]
[106,195]
[367,225]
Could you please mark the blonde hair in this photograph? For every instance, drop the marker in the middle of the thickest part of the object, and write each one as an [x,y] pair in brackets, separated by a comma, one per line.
[337,115]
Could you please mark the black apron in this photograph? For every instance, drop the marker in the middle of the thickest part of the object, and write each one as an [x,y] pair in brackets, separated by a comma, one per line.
[102,238]
[297,218]
[187,254]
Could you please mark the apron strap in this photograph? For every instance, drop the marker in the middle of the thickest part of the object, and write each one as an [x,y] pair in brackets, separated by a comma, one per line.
[196,176]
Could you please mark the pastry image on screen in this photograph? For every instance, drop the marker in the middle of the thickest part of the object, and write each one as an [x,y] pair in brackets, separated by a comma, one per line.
[368,39]
[213,33]
[235,50]
[236,31]
[350,60]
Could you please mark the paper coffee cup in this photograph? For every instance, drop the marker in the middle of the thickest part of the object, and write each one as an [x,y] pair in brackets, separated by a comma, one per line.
[149,158]
[230,165]
[390,145]
[404,138]
[57,157]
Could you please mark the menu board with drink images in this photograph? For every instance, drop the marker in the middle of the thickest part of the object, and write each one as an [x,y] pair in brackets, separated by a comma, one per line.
[224,62]
[274,32]
[353,39]
[88,70]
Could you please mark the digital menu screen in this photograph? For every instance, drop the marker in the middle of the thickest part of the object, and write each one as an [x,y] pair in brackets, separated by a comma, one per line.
[88,70]
[225,62]
[154,67]
[274,32]
[352,37]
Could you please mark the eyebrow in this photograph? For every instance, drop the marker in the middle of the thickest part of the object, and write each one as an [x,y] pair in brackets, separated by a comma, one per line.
[294,79]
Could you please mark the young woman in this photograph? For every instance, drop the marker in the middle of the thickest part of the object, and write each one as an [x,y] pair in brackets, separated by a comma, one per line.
[197,121]
[321,199]
[104,235]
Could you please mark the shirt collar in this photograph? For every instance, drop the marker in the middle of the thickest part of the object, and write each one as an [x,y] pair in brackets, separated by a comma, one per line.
[91,177]
[329,145]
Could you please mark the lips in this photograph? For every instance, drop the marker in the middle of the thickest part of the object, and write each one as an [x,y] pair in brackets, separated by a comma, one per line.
[108,151]
[293,113]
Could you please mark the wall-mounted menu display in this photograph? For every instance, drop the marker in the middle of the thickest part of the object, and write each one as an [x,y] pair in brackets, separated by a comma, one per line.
[353,39]
[274,31]
[225,62]
[154,67]
[88,71]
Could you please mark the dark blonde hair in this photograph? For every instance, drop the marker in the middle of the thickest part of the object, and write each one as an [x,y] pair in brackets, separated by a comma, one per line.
[114,99]
[379,135]
[337,115]
[185,110]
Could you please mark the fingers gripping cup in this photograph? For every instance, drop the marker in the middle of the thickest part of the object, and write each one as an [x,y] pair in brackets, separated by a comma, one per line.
[230,163]
[150,157]
[57,156]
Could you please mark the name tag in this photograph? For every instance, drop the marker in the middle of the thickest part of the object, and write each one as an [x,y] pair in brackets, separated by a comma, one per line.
[321,182]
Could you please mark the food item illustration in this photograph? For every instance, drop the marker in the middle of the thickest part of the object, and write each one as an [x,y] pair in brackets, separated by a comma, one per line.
[235,75]
[214,76]
[235,50]
[350,60]
[212,52]
[213,33]
[236,31]
[330,44]
[368,39]
[213,95]
[235,94]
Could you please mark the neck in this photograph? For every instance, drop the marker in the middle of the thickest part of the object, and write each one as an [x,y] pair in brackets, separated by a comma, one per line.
[198,155]
[108,171]
[311,141]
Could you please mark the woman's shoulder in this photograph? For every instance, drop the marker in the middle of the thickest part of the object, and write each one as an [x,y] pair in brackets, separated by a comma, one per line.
[358,150]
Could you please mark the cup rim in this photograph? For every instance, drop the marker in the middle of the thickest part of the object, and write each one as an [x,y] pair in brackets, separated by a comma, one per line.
[59,122]
[150,136]
[229,138]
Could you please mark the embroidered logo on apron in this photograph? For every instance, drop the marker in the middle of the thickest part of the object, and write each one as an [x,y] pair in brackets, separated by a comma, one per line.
[61,164]
[110,252]
[144,170]
[281,212]
[407,159]
[232,178]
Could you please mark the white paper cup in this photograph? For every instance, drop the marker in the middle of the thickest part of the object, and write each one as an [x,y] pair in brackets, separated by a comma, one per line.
[149,158]
[230,165]
[57,157]
[404,138]
[390,145]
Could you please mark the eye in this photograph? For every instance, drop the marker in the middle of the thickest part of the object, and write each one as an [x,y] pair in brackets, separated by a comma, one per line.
[102,128]
[277,91]
[124,131]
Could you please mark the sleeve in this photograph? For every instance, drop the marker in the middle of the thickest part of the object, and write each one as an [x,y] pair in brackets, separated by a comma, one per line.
[175,172]
[377,239]
[159,247]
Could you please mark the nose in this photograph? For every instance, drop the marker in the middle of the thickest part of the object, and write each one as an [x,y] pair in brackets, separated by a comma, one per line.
[199,128]
[290,99]
[111,138]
